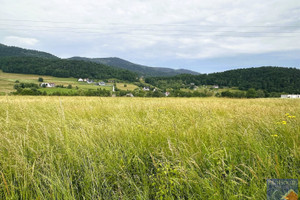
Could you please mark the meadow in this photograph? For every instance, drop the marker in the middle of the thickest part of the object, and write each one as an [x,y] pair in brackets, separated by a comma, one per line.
[146,148]
[7,82]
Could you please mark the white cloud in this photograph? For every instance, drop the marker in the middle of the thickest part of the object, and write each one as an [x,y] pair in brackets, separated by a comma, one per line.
[190,29]
[20,41]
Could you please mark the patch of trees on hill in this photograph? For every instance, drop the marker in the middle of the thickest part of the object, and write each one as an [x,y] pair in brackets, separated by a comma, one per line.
[63,68]
[7,51]
[141,70]
[270,79]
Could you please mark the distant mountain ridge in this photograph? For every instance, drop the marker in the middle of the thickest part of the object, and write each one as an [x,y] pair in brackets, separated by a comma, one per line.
[142,70]
[64,68]
[11,51]
[24,61]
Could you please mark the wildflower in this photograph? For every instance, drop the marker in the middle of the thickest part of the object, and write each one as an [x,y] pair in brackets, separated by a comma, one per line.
[283,122]
[275,135]
[293,117]
[287,114]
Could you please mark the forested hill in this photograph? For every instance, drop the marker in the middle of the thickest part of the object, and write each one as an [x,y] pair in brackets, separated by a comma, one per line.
[139,69]
[271,79]
[8,51]
[63,68]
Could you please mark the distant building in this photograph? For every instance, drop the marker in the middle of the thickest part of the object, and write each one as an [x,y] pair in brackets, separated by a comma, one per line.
[89,81]
[47,85]
[146,88]
[167,94]
[290,96]
[129,95]
[101,83]
[80,80]
[215,86]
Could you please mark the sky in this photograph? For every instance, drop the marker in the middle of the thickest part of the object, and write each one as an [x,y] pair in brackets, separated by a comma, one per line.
[204,36]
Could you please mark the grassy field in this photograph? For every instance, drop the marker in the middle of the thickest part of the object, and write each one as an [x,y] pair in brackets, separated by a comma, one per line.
[139,148]
[7,82]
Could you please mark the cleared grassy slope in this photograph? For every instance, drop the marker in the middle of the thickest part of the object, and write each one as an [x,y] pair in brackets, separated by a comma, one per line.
[7,82]
[131,148]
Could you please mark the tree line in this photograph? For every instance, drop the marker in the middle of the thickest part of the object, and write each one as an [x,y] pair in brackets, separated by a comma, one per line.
[63,68]
[269,79]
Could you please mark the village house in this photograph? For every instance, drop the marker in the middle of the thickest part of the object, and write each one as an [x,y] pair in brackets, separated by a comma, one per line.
[215,86]
[101,83]
[167,94]
[290,96]
[47,85]
[89,81]
[129,95]
[80,80]
[146,88]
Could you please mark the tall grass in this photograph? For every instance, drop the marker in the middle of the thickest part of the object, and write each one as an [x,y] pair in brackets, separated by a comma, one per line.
[130,148]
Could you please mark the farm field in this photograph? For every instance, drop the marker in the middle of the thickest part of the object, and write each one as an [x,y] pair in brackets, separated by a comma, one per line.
[146,148]
[7,82]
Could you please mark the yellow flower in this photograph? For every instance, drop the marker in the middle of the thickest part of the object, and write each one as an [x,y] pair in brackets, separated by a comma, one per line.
[287,114]
[274,135]
[283,122]
[293,116]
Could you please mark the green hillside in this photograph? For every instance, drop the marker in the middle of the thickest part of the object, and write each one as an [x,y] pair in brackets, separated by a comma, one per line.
[8,80]
[139,69]
[9,51]
[63,68]
[270,79]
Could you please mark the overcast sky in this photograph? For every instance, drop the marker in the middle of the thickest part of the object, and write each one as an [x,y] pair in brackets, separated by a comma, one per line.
[204,36]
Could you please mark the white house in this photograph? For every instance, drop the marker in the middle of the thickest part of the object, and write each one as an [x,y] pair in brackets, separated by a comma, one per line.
[129,95]
[80,80]
[101,83]
[215,86]
[89,81]
[47,85]
[146,88]
[290,96]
